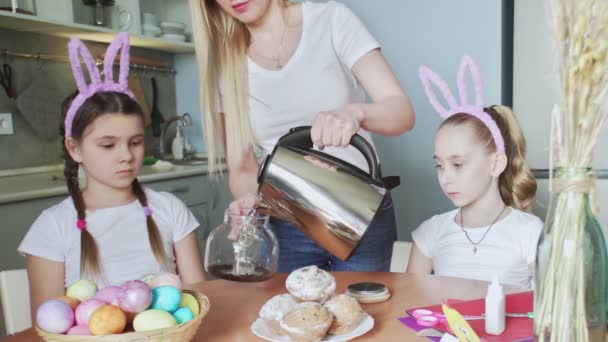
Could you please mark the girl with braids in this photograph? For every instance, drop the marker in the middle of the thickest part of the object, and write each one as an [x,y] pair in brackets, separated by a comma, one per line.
[480,160]
[113,230]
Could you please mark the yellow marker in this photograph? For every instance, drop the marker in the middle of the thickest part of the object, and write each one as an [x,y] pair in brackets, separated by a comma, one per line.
[189,302]
[459,325]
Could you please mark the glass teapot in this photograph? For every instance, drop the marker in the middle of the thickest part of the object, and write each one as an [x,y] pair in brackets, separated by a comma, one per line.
[243,248]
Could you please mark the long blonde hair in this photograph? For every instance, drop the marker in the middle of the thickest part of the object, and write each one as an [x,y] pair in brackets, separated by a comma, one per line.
[516,183]
[221,43]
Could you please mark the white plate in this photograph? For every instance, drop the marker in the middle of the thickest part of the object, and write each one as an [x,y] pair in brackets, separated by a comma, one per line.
[260,330]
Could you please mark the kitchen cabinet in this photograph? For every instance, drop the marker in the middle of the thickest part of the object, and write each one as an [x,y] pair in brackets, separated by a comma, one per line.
[30,23]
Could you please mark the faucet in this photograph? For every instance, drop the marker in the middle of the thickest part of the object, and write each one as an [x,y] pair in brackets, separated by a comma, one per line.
[185,119]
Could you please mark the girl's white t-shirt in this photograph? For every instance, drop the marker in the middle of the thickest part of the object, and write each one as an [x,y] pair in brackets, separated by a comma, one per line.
[317,78]
[120,232]
[506,251]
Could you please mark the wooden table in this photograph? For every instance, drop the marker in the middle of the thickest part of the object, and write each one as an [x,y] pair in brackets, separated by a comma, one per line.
[235,306]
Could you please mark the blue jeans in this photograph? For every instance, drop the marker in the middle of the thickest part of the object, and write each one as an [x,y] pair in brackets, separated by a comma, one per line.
[373,253]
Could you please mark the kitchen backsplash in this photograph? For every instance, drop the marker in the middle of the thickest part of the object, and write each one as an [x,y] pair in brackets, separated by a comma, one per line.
[39,145]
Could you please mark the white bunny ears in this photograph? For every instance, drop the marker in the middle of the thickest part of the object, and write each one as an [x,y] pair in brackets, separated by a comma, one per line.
[429,77]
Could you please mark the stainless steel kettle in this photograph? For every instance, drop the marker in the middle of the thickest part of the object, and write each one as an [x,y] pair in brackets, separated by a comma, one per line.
[331,201]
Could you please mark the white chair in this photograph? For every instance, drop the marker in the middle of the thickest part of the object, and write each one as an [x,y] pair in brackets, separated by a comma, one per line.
[15,297]
[401,255]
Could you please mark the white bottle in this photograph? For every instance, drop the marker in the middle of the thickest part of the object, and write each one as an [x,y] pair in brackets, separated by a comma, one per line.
[177,146]
[495,308]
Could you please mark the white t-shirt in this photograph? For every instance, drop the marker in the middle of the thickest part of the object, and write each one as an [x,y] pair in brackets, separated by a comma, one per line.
[120,233]
[317,78]
[506,251]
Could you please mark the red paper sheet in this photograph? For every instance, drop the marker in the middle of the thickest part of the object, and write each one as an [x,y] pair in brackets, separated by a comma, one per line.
[515,329]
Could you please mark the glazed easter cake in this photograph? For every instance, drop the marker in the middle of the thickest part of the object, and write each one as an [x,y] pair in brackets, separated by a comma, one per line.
[311,311]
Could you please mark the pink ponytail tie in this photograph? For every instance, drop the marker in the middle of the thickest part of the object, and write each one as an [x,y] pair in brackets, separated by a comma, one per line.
[147,211]
[81,224]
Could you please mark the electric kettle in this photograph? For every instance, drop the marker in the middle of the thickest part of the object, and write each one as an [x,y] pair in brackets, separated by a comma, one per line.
[331,201]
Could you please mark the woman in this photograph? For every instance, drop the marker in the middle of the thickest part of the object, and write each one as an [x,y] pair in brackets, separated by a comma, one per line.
[269,65]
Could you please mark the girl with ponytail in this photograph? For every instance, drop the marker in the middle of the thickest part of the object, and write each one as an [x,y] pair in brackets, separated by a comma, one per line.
[111,230]
[480,159]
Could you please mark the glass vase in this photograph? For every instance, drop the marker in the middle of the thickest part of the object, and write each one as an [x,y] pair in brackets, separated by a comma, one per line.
[571,280]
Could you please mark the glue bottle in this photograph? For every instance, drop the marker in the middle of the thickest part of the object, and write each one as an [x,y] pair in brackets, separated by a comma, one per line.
[495,308]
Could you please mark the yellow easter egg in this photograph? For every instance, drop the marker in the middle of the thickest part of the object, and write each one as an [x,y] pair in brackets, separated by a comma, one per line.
[153,319]
[190,302]
[82,290]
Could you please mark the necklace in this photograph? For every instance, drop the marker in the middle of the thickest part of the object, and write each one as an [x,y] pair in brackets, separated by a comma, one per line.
[484,234]
[277,59]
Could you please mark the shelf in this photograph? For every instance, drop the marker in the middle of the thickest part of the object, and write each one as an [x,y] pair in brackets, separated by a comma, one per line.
[29,23]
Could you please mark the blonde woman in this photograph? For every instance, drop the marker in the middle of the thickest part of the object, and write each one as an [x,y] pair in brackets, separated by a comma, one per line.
[269,65]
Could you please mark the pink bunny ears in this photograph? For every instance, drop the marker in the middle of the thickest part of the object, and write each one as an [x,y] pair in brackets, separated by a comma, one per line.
[428,77]
[76,50]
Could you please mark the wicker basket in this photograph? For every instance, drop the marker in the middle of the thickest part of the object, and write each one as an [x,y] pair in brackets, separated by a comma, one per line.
[179,333]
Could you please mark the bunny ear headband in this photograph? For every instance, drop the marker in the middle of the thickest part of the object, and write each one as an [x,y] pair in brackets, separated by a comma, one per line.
[76,50]
[429,77]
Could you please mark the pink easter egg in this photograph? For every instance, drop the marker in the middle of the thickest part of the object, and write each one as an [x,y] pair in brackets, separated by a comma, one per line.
[85,310]
[108,295]
[79,330]
[135,296]
[168,279]
[55,316]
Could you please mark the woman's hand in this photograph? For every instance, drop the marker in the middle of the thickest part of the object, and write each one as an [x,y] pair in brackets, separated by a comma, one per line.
[244,203]
[336,127]
[241,206]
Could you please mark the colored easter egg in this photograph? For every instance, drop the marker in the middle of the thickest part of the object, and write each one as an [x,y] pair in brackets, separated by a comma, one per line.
[190,302]
[55,316]
[147,278]
[183,315]
[168,279]
[85,310]
[134,296]
[72,302]
[82,290]
[108,294]
[108,319]
[153,319]
[165,298]
[79,330]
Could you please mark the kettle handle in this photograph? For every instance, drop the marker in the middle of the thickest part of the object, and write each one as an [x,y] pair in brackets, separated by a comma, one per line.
[300,137]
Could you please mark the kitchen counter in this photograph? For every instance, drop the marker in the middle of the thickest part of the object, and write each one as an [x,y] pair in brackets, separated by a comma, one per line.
[25,184]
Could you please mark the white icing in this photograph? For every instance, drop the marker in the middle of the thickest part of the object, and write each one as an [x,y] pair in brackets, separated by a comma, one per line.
[311,284]
[346,309]
[302,313]
[277,306]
